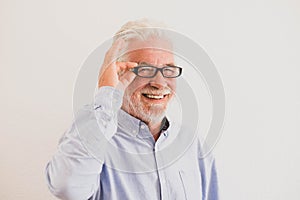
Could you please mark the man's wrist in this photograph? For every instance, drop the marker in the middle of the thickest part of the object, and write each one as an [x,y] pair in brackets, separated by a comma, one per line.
[108,97]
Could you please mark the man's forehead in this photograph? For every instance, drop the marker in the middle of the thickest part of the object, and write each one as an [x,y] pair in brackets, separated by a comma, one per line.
[151,44]
[151,57]
[154,51]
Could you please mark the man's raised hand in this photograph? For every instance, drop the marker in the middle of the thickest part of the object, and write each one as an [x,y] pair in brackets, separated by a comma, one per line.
[113,73]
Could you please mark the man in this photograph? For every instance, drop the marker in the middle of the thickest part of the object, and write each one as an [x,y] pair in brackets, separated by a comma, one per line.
[124,146]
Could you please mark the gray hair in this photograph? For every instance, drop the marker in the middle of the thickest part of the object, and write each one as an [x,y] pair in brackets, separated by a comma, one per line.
[142,29]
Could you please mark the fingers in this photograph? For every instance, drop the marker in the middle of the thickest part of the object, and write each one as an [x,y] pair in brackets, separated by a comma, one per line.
[108,74]
[125,76]
[115,73]
[113,53]
[125,66]
[125,79]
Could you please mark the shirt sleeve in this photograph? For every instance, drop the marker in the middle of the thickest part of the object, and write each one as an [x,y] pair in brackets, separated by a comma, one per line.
[207,166]
[74,171]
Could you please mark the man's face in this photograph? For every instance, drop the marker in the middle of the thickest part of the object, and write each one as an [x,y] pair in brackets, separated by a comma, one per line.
[147,98]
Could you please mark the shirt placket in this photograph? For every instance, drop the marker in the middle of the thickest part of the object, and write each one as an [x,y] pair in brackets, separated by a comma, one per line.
[164,190]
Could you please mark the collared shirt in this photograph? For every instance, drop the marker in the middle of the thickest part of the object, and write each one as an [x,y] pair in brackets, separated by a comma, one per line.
[108,154]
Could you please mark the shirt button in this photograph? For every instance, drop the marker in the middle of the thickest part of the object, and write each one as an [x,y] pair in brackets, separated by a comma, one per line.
[166,134]
[142,126]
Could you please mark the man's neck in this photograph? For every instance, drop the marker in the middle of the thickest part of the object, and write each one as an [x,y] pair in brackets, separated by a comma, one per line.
[155,129]
[154,124]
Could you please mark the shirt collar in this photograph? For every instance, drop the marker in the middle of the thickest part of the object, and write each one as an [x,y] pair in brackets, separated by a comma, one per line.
[165,124]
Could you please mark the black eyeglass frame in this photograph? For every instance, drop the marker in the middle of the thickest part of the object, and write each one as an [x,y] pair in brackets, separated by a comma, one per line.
[136,70]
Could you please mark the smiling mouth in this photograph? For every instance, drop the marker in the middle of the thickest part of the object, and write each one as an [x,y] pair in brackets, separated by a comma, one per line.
[155,96]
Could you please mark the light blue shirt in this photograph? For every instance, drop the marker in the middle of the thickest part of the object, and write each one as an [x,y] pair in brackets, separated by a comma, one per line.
[107,154]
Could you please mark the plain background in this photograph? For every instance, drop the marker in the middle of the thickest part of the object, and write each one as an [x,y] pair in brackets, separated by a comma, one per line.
[254,44]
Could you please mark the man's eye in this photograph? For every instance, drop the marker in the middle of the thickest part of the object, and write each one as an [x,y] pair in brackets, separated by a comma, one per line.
[170,71]
[146,70]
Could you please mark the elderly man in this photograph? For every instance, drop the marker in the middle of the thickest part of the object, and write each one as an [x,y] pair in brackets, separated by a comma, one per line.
[124,146]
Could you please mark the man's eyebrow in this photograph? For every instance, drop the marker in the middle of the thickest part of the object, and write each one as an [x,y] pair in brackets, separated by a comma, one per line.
[171,65]
[145,63]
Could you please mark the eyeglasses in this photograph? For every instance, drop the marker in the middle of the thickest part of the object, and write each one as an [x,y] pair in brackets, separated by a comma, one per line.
[148,71]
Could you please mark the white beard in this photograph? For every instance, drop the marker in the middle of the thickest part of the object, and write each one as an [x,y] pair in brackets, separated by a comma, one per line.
[153,115]
[150,113]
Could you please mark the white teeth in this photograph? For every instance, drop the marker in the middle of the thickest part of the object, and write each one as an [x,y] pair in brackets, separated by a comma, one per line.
[154,96]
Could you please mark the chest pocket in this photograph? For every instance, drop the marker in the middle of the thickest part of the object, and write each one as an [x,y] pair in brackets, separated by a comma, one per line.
[191,183]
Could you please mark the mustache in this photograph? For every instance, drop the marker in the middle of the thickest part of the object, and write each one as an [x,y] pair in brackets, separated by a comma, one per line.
[156,91]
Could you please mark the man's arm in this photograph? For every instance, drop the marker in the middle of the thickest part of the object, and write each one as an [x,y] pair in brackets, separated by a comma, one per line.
[73,173]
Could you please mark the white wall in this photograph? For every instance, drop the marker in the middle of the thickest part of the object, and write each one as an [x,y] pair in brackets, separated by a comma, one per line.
[254,44]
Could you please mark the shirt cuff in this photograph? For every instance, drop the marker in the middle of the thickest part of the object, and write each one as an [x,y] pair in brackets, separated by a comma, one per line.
[108,98]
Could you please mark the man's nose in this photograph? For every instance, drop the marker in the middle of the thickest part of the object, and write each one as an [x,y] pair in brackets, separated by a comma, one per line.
[158,80]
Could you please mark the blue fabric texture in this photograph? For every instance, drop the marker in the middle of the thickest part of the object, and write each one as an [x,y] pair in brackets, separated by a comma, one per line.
[108,154]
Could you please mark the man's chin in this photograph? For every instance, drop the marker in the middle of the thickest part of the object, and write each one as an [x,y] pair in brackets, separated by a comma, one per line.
[147,110]
[154,115]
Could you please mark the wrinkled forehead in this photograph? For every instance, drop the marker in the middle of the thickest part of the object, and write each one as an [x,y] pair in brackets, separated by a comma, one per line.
[152,42]
[153,51]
